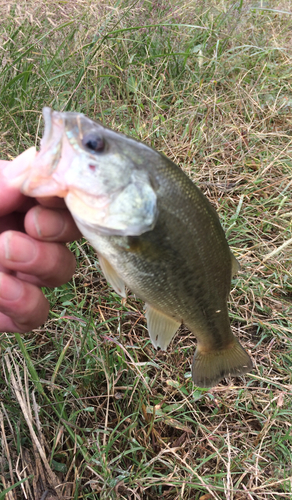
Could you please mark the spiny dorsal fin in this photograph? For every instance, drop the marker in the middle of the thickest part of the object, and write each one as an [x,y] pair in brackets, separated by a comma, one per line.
[161,328]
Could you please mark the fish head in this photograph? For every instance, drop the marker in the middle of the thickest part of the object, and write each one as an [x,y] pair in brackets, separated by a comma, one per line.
[100,174]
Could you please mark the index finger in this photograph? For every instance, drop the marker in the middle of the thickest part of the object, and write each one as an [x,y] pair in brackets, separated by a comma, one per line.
[52,202]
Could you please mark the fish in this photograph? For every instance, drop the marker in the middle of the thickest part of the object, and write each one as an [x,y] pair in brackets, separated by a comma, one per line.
[154,232]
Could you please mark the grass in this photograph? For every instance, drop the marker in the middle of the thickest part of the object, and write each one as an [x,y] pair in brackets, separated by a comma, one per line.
[88,408]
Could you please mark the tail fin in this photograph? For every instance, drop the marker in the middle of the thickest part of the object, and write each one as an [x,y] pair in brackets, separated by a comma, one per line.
[210,367]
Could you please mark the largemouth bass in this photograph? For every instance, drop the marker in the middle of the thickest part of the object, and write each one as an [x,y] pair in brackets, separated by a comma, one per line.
[153,230]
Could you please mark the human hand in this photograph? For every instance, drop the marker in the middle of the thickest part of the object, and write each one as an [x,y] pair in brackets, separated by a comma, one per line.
[32,254]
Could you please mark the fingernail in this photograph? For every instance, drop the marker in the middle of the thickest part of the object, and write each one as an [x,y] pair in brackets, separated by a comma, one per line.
[10,288]
[19,248]
[49,224]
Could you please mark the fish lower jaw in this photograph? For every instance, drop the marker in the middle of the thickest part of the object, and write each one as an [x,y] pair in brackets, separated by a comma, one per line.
[38,187]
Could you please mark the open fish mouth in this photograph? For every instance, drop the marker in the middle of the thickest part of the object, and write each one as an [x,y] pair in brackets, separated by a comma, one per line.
[44,178]
[33,172]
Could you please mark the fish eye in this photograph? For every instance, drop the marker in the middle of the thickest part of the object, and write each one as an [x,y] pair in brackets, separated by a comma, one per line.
[93,142]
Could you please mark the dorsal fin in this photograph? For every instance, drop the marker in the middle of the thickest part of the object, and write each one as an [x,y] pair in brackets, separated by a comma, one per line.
[235,266]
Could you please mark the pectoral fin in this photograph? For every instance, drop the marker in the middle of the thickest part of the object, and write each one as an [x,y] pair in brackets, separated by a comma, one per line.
[161,328]
[112,277]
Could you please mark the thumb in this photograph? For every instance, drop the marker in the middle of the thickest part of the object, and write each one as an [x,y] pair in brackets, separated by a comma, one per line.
[11,197]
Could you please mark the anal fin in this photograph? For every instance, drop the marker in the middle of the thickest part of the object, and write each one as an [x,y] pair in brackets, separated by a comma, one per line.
[161,328]
[112,277]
